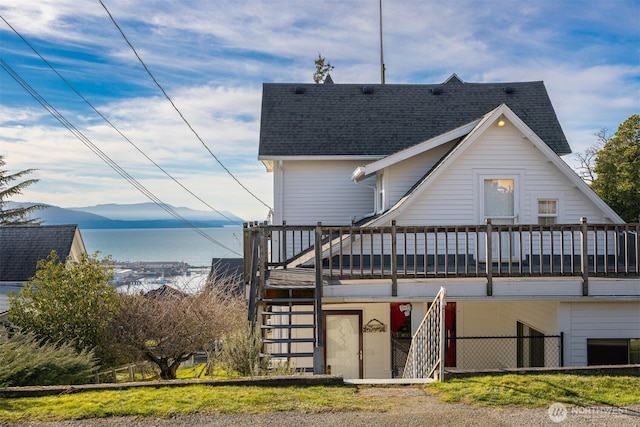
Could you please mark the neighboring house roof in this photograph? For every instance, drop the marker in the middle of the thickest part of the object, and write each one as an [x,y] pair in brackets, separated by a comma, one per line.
[227,267]
[165,292]
[21,247]
[227,272]
[347,120]
[479,128]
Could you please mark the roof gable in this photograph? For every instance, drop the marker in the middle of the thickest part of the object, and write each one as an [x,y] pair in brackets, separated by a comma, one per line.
[21,247]
[489,120]
[453,80]
[379,120]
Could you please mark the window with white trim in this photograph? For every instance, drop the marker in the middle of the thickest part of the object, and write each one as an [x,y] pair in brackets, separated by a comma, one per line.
[547,211]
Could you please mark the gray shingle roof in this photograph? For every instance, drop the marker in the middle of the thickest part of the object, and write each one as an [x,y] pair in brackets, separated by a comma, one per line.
[339,119]
[21,247]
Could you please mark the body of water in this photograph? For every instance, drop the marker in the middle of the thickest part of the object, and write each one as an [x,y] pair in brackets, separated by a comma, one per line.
[164,244]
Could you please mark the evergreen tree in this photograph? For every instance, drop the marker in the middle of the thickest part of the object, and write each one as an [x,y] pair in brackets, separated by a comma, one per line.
[322,70]
[18,215]
[617,167]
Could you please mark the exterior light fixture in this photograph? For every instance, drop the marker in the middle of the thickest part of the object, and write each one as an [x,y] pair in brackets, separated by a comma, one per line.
[501,123]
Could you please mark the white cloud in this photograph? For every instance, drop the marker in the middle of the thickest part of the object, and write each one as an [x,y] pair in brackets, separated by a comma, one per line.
[212,57]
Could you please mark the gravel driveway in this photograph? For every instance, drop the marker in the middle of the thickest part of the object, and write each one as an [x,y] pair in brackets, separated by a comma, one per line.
[413,407]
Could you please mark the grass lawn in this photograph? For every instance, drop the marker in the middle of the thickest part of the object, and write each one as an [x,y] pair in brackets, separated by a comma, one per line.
[168,401]
[519,390]
[540,390]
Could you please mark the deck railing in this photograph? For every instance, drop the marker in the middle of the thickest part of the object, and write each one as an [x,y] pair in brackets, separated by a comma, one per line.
[489,250]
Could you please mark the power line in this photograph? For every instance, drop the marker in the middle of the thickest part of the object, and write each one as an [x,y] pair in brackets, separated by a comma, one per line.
[104,157]
[112,125]
[177,110]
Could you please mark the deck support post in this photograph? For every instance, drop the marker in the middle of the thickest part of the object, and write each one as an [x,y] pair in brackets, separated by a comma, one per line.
[264,260]
[584,256]
[318,351]
[282,256]
[489,257]
[394,260]
[250,272]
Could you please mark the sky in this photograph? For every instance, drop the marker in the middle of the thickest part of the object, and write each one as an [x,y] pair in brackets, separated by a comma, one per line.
[212,57]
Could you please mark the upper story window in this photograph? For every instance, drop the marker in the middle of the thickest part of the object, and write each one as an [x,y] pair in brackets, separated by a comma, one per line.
[547,211]
[500,205]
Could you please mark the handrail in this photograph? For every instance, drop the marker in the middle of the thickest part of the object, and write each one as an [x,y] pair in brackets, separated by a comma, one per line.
[427,350]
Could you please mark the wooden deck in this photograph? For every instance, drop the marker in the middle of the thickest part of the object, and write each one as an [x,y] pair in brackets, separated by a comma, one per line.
[315,256]
[292,278]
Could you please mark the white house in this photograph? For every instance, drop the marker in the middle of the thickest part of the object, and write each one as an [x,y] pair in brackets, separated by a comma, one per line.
[384,194]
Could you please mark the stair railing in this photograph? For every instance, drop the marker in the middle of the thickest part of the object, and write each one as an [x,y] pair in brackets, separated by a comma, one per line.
[427,352]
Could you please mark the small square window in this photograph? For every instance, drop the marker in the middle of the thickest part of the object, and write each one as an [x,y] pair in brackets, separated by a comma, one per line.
[547,211]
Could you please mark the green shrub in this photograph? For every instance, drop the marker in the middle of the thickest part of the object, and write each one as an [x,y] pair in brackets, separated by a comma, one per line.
[24,361]
[241,352]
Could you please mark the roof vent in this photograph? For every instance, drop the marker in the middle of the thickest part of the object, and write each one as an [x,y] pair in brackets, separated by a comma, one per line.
[509,89]
[298,90]
[436,90]
[367,90]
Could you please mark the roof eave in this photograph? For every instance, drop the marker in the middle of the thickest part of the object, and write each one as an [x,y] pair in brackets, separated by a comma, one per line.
[366,171]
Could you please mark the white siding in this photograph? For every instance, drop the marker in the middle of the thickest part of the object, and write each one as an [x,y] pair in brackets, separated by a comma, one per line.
[402,176]
[596,320]
[454,197]
[310,191]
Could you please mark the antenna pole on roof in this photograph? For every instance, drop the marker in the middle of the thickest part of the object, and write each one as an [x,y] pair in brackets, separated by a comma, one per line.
[382,69]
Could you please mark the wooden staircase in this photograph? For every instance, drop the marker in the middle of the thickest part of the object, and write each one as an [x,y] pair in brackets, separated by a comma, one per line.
[287,318]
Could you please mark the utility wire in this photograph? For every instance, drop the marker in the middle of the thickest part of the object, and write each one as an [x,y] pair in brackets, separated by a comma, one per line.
[87,142]
[112,125]
[178,111]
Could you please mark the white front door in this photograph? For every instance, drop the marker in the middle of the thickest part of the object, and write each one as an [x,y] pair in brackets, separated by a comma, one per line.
[500,205]
[343,343]
[500,200]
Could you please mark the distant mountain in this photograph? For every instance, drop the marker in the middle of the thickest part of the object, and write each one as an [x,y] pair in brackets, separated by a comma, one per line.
[140,215]
[151,211]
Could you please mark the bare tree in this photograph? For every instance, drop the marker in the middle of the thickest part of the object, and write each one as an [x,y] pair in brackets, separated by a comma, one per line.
[168,328]
[588,157]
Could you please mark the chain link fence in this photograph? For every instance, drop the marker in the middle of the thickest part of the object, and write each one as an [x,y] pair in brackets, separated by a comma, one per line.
[503,352]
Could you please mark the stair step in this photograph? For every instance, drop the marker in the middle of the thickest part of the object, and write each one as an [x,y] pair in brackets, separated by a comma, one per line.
[287,313]
[289,300]
[288,340]
[298,326]
[279,355]
[298,370]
